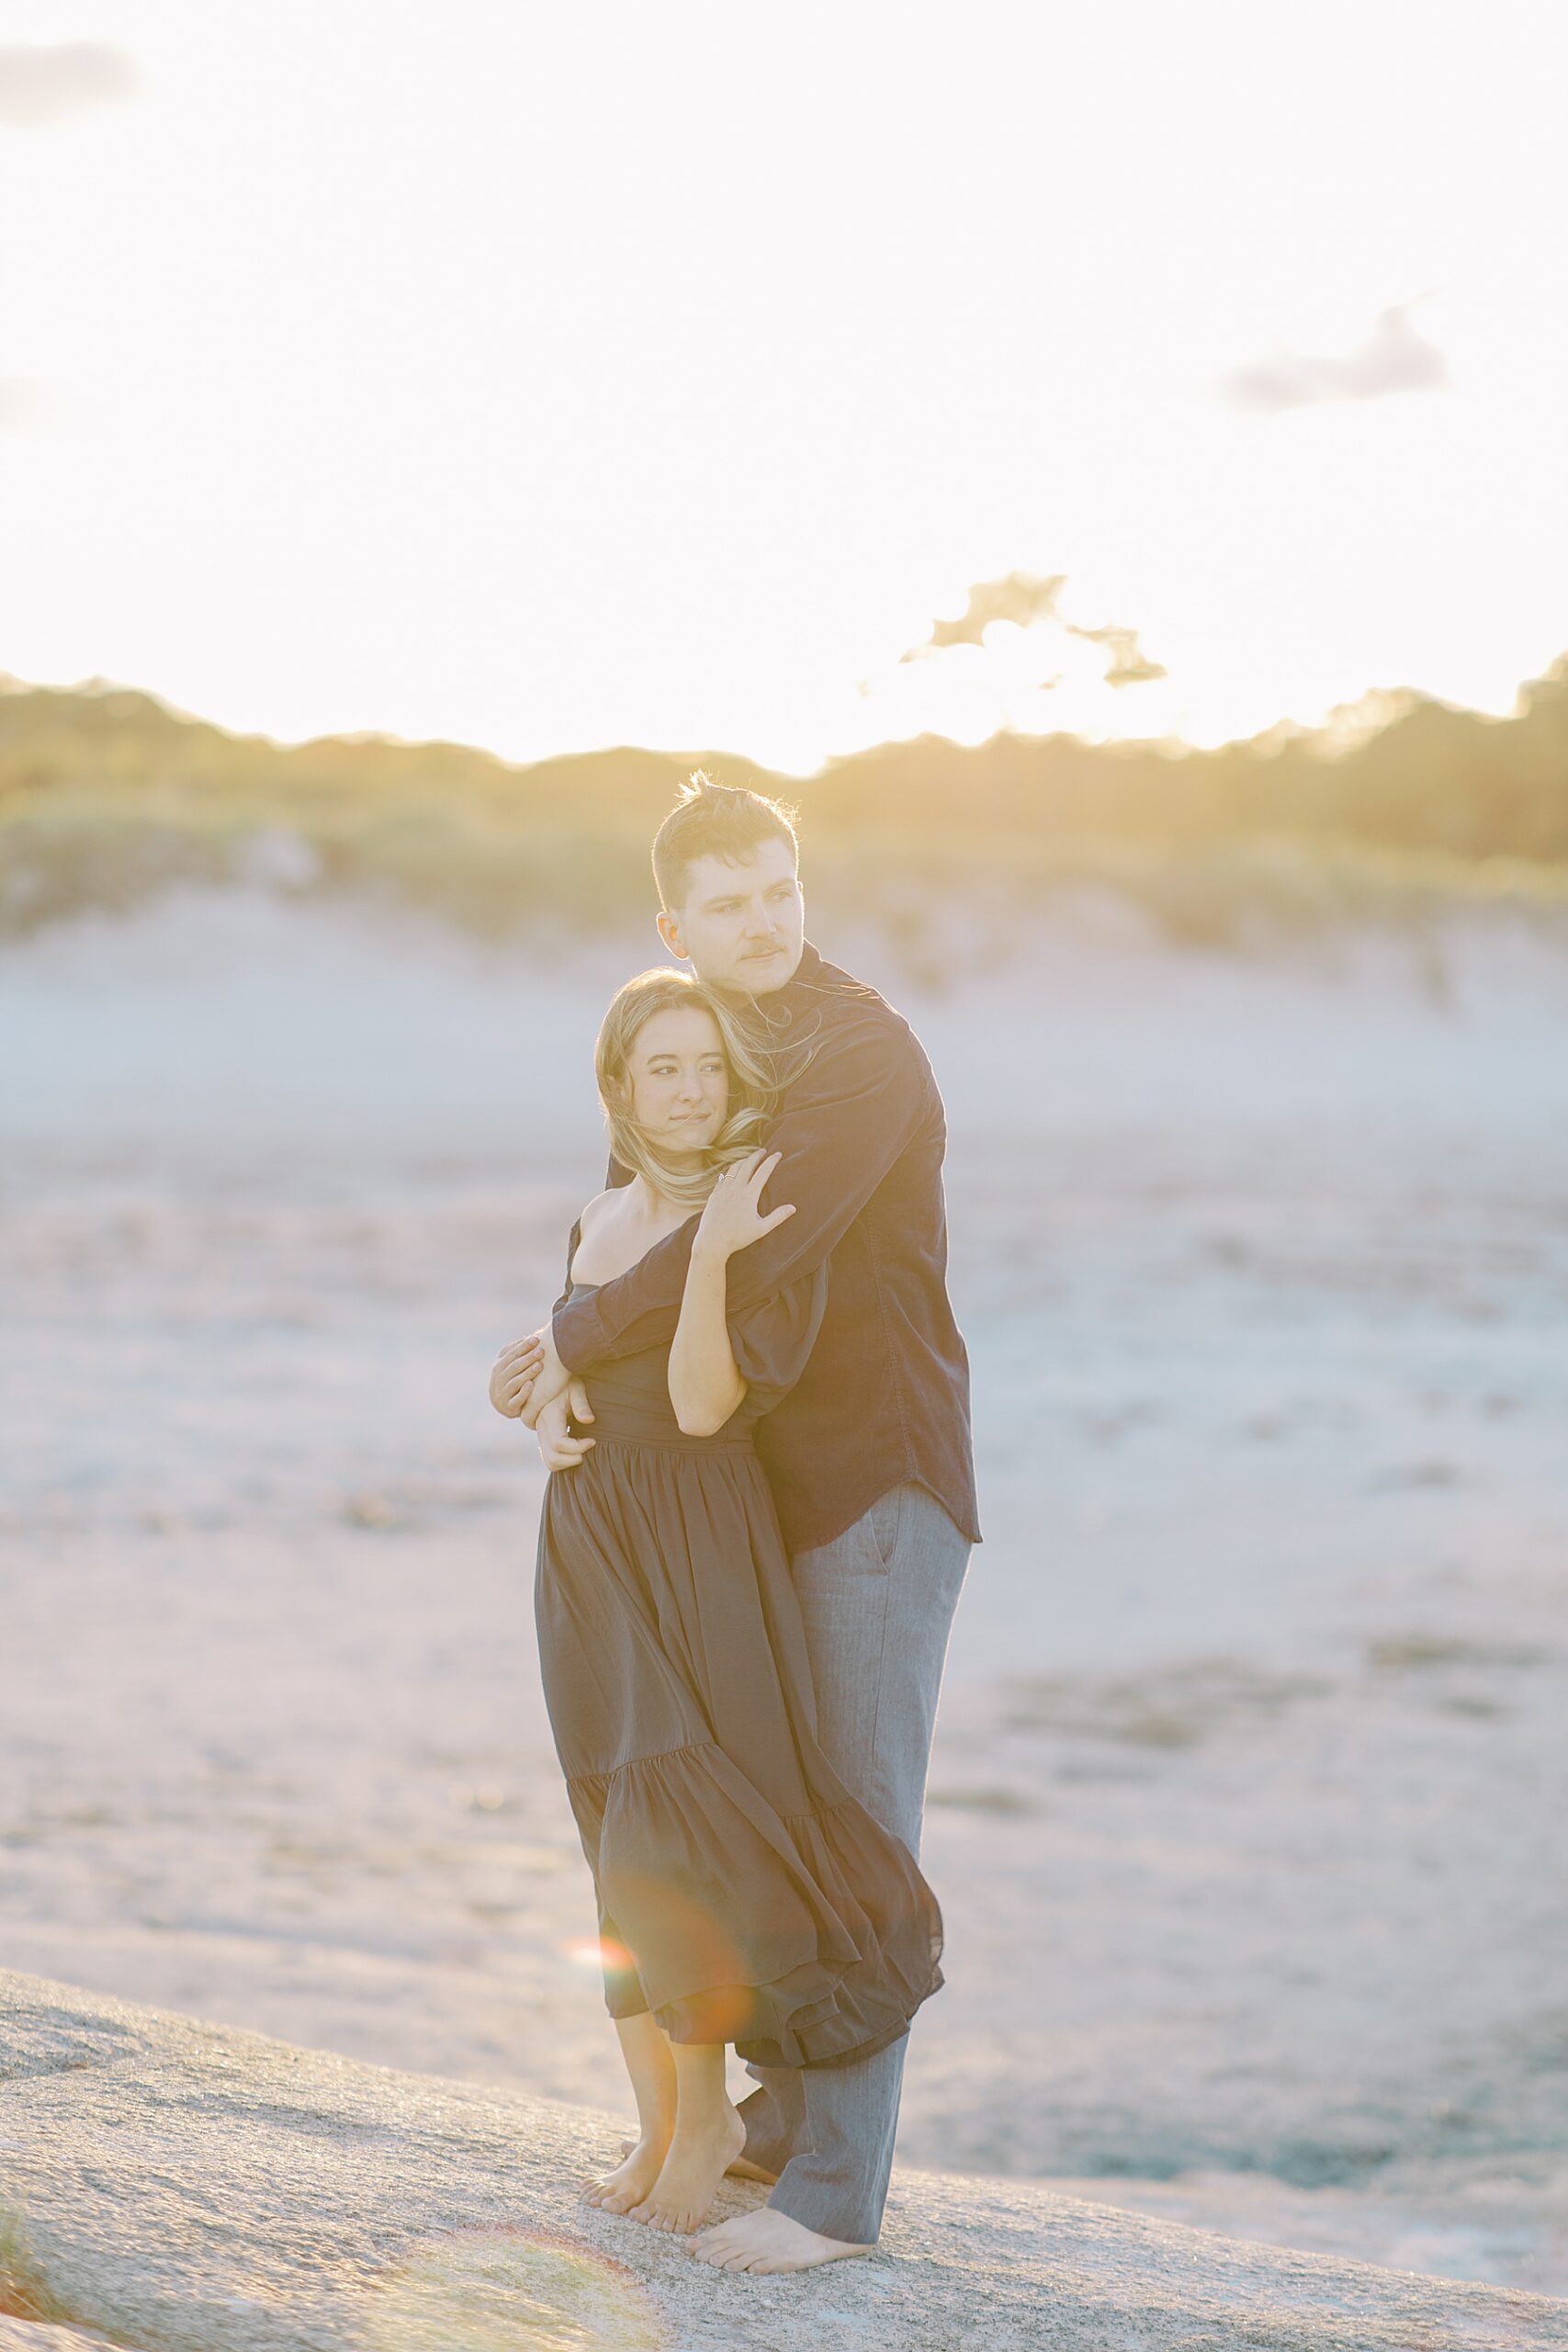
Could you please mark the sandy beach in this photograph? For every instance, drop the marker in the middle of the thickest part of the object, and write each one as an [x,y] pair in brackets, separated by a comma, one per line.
[1246,1801]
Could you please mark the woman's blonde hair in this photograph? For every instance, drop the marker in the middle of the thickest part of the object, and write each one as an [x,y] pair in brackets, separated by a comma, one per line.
[753,1086]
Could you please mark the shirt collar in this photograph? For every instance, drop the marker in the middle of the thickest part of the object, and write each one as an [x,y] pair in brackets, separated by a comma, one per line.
[780,1007]
[807,975]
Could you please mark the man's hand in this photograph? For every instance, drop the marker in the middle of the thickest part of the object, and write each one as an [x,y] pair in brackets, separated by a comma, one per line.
[558,1450]
[550,1381]
[513,1374]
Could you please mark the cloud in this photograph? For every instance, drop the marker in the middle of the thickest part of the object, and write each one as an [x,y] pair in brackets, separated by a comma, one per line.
[1019,597]
[1394,359]
[1130,665]
[47,82]
[1025,597]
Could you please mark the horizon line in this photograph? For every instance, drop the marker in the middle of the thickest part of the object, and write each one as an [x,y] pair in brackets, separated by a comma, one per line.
[1346,725]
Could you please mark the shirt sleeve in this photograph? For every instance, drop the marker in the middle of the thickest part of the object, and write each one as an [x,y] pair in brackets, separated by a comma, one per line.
[855,1109]
[573,1237]
[771,1340]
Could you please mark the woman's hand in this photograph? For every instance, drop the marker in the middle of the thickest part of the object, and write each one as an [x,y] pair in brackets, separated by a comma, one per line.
[731,1219]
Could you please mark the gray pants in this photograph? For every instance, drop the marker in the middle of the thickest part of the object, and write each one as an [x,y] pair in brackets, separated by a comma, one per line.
[879,1603]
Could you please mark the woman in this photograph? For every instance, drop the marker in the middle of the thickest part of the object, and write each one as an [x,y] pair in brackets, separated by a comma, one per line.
[744,1894]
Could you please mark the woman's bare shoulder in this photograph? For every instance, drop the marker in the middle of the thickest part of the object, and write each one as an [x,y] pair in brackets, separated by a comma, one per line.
[599,1237]
[598,1220]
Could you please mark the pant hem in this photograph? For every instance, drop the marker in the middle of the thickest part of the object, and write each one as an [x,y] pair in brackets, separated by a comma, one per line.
[804,2209]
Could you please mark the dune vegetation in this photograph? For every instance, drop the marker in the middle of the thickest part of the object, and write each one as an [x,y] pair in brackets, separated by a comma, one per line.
[108,797]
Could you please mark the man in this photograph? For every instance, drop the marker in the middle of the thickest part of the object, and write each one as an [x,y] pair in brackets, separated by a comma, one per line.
[869,1456]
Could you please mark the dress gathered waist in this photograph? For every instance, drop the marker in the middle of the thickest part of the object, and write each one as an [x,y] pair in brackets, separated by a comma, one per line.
[618,1422]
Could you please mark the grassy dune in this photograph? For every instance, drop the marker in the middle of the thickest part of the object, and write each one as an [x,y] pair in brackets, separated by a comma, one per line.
[106,798]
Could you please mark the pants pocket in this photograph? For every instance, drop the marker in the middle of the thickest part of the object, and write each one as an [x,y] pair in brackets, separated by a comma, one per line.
[886,1520]
[865,1549]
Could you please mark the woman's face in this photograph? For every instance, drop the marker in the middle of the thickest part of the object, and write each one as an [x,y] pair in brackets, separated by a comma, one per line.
[680,1081]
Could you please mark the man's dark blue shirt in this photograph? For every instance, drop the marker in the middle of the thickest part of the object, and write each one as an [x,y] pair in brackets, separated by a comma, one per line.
[885,1397]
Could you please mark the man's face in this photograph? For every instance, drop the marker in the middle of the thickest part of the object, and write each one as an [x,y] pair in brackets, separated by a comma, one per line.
[741,925]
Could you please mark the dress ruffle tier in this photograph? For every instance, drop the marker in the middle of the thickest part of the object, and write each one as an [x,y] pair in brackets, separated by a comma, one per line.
[804,1942]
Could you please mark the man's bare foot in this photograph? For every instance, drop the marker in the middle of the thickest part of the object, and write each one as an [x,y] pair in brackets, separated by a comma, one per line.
[741,2169]
[698,2161]
[764,2240]
[632,2179]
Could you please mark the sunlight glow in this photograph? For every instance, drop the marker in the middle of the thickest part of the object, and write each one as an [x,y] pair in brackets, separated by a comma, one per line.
[555,379]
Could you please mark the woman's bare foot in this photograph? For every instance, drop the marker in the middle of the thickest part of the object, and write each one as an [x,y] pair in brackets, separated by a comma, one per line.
[629,2182]
[741,2169]
[765,2241]
[699,2156]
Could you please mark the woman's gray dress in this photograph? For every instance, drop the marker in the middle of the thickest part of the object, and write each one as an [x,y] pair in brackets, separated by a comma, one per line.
[744,1894]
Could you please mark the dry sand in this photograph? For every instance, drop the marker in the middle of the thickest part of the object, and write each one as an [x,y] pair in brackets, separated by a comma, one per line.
[1252,1755]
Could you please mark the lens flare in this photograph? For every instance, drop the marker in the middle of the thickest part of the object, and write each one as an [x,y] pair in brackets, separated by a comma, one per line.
[692,1954]
[595,1952]
[492,2290]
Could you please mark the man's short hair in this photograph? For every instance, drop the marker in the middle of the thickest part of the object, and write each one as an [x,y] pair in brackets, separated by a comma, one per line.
[714,820]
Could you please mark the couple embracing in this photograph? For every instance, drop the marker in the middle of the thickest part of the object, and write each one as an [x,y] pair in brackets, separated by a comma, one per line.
[753,1401]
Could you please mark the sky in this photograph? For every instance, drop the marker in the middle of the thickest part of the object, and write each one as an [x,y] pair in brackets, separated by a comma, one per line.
[782,381]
